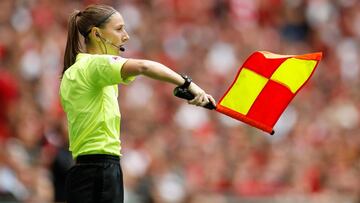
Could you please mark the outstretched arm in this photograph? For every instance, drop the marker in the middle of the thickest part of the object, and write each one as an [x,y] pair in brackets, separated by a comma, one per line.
[158,71]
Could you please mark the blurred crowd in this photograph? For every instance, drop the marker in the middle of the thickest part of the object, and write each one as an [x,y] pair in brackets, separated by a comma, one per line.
[174,152]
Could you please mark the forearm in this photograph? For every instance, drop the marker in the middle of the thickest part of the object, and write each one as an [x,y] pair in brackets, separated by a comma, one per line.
[152,69]
[160,72]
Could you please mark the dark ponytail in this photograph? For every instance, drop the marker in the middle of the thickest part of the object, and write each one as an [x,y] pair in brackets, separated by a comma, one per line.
[81,22]
[73,45]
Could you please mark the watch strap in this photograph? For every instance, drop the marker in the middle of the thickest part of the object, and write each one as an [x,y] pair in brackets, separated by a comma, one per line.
[187,82]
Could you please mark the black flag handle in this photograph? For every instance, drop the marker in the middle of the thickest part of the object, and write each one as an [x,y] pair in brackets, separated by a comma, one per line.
[184,93]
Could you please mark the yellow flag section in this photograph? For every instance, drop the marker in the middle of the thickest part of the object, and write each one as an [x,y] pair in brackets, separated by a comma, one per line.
[265,85]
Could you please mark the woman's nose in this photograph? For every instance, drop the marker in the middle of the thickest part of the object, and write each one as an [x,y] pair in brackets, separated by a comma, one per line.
[126,37]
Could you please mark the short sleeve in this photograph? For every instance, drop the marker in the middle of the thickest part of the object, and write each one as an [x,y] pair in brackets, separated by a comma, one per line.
[105,70]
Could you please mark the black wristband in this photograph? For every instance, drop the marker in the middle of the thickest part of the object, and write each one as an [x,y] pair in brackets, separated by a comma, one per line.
[187,82]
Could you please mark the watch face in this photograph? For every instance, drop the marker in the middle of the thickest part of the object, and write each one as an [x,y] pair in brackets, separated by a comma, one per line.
[187,81]
[187,78]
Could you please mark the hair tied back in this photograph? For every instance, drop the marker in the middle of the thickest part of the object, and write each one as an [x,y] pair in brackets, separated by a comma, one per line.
[78,13]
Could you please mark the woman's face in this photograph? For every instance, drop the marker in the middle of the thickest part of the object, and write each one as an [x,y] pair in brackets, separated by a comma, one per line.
[114,32]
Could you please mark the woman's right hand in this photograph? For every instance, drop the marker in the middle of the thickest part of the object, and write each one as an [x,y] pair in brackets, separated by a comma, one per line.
[201,98]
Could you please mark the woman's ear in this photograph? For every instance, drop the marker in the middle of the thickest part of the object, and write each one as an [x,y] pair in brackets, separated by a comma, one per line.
[95,33]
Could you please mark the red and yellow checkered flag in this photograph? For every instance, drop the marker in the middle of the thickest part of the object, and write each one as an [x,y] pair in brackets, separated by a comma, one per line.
[265,85]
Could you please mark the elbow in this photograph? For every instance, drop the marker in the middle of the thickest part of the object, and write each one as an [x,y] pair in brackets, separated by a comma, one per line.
[134,67]
[143,67]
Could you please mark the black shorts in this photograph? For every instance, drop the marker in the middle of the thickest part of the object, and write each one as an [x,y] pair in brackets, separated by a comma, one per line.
[95,179]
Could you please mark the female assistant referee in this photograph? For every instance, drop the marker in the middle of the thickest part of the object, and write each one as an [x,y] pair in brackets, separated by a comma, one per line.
[89,93]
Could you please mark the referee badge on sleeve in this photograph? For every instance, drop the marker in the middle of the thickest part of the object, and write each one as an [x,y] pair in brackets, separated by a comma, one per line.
[113,59]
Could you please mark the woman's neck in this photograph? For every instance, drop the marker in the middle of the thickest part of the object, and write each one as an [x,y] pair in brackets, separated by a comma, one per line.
[94,49]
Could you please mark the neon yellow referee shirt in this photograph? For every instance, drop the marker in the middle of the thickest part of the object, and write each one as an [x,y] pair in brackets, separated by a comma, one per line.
[88,93]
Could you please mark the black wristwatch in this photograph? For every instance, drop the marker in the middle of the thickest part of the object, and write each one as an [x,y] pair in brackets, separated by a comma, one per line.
[187,82]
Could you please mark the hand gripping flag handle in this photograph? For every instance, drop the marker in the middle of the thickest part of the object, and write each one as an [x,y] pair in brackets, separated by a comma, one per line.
[184,93]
